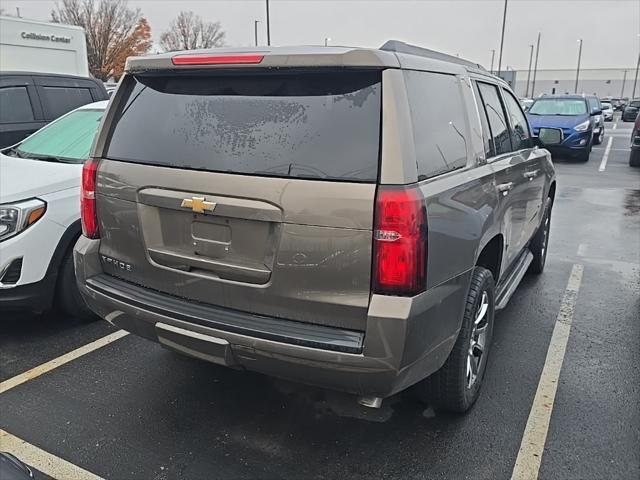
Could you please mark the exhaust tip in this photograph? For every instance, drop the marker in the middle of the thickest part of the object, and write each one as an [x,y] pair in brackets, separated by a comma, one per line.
[370,402]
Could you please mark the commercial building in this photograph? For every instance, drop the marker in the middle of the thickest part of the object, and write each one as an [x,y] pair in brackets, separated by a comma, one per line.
[27,45]
[604,82]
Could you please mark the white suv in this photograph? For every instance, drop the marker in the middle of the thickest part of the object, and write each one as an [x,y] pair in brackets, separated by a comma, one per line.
[40,213]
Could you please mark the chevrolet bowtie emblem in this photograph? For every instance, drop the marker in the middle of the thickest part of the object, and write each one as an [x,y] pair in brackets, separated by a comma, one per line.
[198,204]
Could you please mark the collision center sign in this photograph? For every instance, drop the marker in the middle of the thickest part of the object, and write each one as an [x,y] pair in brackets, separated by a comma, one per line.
[46,38]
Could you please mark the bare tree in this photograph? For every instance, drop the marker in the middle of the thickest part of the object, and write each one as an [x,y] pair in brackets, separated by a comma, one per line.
[113,32]
[189,31]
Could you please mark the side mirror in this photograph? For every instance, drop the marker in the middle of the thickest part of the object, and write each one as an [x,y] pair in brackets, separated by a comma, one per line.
[596,111]
[550,136]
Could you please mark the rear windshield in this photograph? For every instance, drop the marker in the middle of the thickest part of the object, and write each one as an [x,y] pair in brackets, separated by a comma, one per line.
[558,106]
[304,125]
[635,103]
[67,139]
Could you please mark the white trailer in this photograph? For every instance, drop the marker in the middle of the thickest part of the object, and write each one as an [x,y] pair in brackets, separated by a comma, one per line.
[31,46]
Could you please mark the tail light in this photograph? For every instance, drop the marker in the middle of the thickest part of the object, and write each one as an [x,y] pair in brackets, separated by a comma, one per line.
[88,212]
[400,241]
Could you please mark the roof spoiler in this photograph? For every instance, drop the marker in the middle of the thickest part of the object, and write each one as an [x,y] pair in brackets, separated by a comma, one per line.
[402,47]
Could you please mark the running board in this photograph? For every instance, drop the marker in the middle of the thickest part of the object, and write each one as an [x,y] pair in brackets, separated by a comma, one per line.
[506,288]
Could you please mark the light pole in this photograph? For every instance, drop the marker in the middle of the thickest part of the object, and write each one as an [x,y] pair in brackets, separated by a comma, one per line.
[578,68]
[255,30]
[624,80]
[504,22]
[526,93]
[268,26]
[535,68]
[326,41]
[493,56]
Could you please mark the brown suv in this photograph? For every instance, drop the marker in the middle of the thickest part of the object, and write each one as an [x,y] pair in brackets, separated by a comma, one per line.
[345,217]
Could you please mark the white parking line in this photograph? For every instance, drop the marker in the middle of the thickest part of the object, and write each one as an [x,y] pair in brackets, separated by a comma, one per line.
[605,157]
[529,458]
[61,360]
[37,458]
[615,125]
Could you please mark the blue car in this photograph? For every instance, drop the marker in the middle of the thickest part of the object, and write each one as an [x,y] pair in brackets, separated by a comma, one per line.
[572,114]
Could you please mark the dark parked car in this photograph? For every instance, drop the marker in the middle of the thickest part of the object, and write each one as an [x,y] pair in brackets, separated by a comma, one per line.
[345,217]
[28,101]
[634,156]
[630,112]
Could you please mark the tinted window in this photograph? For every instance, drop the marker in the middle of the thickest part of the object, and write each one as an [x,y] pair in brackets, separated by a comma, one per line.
[489,149]
[15,106]
[68,138]
[558,106]
[438,117]
[635,104]
[60,100]
[519,125]
[496,116]
[606,106]
[307,125]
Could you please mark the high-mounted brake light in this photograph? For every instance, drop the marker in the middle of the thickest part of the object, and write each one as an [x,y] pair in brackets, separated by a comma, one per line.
[399,241]
[199,59]
[88,212]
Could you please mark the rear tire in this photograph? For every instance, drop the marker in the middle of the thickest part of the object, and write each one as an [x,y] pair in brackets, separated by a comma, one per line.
[68,296]
[634,158]
[456,386]
[540,241]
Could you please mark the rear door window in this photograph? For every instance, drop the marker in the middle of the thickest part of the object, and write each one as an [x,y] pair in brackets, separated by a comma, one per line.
[439,122]
[15,106]
[60,100]
[323,125]
[519,125]
[497,119]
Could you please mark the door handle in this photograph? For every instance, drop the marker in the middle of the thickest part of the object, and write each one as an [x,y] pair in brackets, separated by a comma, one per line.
[504,188]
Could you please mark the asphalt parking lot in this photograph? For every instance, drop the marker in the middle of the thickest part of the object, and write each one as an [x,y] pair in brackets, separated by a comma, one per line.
[131,409]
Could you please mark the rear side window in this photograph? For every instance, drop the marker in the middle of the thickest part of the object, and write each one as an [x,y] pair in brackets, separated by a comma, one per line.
[496,116]
[60,100]
[489,149]
[439,122]
[15,106]
[320,125]
[520,126]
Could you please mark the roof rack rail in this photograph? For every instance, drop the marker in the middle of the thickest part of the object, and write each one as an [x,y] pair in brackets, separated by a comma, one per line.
[402,47]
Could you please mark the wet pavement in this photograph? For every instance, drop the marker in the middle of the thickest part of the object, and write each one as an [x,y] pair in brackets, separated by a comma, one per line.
[134,410]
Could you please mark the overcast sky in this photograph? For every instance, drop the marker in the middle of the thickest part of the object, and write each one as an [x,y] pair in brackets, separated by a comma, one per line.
[470,28]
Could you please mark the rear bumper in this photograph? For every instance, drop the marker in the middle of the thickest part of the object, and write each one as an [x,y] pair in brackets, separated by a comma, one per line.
[406,339]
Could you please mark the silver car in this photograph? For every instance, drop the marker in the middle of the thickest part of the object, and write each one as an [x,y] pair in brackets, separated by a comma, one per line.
[345,217]
[607,111]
